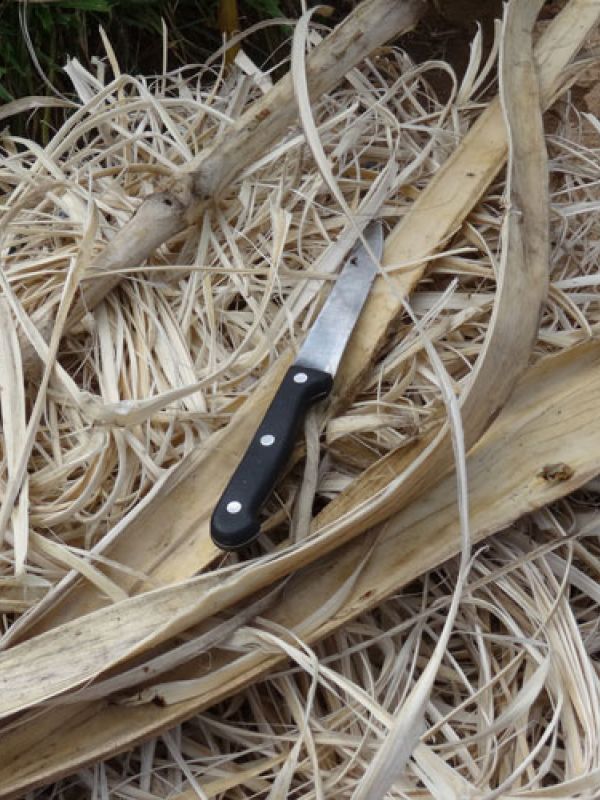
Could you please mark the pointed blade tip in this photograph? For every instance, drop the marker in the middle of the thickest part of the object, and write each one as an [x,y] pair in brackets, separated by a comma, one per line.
[327,339]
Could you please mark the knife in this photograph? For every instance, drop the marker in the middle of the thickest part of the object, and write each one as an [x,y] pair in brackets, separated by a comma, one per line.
[234,522]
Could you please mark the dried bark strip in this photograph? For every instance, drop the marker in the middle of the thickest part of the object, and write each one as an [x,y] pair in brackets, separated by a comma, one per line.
[522,288]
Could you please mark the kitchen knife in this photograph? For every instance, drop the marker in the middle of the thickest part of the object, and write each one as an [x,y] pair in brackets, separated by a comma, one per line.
[234,522]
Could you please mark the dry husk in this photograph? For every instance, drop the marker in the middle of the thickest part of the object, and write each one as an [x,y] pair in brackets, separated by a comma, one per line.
[476,680]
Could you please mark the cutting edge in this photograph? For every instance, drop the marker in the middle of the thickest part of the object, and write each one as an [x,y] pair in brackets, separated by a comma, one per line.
[327,339]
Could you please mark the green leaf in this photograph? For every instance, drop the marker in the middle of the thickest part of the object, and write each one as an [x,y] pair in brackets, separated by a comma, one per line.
[45,18]
[97,6]
[5,95]
[269,8]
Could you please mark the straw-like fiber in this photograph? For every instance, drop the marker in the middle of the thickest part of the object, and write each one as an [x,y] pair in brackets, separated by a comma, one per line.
[160,338]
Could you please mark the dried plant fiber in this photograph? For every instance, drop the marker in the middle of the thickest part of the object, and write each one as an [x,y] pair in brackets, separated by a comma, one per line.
[175,527]
[466,406]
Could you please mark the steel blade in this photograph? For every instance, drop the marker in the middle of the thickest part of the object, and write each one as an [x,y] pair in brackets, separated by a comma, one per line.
[327,339]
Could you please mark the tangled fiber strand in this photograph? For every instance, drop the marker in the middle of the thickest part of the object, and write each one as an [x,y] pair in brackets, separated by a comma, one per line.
[166,358]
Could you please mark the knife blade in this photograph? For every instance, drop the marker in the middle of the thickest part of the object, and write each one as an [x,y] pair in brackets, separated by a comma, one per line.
[234,522]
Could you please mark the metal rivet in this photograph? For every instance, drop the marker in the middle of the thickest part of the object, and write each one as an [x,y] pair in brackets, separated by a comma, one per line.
[267,440]
[234,507]
[300,377]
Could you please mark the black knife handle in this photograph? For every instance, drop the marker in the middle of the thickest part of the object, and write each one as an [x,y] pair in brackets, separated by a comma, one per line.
[234,522]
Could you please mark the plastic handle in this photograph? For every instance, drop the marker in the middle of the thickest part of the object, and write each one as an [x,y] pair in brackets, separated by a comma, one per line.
[234,522]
